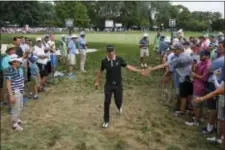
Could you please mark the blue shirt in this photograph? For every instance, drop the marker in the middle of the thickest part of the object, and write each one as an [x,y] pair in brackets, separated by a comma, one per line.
[34,70]
[144,43]
[82,43]
[217,64]
[17,80]
[175,76]
[72,47]
[163,46]
[182,65]
[5,62]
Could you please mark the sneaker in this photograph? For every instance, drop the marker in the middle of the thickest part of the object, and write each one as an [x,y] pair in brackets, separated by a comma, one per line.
[219,141]
[119,110]
[84,71]
[178,114]
[205,131]
[36,97]
[142,65]
[19,122]
[145,65]
[17,127]
[192,123]
[212,139]
[105,125]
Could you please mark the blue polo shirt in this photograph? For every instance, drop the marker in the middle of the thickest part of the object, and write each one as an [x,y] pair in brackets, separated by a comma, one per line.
[72,47]
[144,43]
[5,62]
[82,43]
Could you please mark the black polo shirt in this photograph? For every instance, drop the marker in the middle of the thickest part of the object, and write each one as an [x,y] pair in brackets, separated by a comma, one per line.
[113,70]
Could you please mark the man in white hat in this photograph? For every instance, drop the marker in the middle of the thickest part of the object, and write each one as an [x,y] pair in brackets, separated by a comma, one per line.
[15,87]
[144,52]
[220,36]
[82,43]
[42,61]
[72,49]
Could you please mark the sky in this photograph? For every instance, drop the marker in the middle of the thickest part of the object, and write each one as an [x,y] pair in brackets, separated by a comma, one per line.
[203,6]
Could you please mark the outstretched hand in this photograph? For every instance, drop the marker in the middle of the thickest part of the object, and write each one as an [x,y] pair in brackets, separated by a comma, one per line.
[146,72]
[198,100]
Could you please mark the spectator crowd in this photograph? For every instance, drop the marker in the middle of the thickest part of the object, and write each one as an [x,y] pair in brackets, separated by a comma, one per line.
[196,68]
[27,68]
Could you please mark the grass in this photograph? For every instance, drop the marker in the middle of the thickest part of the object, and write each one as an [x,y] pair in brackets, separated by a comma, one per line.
[70,115]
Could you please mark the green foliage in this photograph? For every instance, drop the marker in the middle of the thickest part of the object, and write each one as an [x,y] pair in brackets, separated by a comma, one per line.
[94,13]
[74,10]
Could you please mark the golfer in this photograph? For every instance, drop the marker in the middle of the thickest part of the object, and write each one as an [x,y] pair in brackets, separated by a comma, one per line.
[144,52]
[112,64]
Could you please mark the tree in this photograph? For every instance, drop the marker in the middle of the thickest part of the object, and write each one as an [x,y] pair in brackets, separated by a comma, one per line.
[74,10]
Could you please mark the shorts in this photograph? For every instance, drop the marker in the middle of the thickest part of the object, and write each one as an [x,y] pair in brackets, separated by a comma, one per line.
[221,110]
[43,70]
[72,59]
[144,52]
[186,88]
[211,103]
[53,61]
[1,79]
[35,81]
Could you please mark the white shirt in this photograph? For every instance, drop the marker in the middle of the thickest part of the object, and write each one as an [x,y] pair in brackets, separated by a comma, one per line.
[169,57]
[52,45]
[24,47]
[39,51]
[188,51]
[46,45]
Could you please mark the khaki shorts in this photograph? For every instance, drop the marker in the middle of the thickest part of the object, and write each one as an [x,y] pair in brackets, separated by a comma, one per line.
[221,111]
[35,81]
[144,52]
[72,59]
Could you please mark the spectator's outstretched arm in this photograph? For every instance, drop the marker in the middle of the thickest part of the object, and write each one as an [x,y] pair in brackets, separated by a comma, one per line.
[150,69]
[215,93]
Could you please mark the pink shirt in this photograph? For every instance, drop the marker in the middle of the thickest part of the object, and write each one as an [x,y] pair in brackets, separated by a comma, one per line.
[202,69]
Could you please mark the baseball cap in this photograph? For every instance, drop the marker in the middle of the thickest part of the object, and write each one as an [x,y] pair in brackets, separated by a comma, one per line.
[46,35]
[145,35]
[9,47]
[110,48]
[82,33]
[38,39]
[167,39]
[178,46]
[204,53]
[220,33]
[74,36]
[15,57]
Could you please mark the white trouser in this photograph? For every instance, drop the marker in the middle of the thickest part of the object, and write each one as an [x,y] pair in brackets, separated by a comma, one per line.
[17,106]
[82,59]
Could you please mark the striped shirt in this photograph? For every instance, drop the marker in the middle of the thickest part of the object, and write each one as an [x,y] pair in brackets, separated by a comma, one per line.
[17,80]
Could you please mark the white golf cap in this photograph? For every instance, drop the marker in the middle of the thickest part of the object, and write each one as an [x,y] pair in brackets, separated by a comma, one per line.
[206,35]
[82,33]
[180,31]
[74,36]
[38,39]
[145,35]
[15,57]
[220,33]
[167,39]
